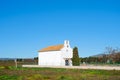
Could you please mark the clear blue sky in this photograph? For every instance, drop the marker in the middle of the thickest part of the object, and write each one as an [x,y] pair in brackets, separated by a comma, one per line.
[29,25]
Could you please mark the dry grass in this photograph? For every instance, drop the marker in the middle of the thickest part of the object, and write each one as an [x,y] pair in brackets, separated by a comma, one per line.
[13,73]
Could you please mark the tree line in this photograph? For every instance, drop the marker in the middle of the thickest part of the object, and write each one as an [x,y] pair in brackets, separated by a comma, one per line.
[110,56]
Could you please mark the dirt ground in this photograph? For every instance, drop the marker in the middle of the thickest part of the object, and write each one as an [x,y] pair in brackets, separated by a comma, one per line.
[79,67]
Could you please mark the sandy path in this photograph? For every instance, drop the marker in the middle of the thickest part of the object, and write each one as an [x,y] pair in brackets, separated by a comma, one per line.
[79,67]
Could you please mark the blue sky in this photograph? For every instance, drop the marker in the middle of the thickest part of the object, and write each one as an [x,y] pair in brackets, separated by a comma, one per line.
[26,26]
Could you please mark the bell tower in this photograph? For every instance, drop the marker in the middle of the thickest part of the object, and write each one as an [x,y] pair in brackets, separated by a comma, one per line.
[66,44]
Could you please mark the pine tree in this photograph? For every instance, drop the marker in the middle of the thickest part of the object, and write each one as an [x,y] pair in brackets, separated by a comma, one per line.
[75,59]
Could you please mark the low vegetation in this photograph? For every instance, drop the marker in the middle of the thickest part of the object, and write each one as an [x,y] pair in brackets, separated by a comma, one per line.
[13,73]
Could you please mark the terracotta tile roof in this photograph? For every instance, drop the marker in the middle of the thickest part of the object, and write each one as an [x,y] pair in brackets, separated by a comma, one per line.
[52,48]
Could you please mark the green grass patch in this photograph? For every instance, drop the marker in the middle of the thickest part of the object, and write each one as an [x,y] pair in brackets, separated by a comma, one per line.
[13,73]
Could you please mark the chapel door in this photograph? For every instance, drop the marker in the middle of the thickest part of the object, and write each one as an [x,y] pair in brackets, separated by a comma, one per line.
[67,62]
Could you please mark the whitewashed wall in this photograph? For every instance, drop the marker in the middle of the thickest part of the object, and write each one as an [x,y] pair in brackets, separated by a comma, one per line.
[52,58]
[67,52]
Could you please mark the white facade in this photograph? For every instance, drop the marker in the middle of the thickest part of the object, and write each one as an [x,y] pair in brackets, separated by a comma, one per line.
[56,56]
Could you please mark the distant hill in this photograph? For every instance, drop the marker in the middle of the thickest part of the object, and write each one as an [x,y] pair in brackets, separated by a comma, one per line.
[98,55]
[101,55]
[16,58]
[7,58]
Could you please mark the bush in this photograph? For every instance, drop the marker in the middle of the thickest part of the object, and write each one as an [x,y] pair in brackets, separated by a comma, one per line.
[64,78]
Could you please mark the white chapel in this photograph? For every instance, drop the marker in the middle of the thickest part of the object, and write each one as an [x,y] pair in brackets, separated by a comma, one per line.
[57,55]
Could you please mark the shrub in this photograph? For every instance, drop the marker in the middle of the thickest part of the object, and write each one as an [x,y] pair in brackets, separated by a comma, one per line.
[64,78]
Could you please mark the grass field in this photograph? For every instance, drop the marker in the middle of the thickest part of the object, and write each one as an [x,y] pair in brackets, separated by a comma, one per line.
[12,73]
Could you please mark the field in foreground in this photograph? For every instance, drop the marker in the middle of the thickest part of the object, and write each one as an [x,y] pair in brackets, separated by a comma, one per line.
[12,73]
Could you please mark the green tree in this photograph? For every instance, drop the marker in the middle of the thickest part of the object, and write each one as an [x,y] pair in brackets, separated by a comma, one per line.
[75,59]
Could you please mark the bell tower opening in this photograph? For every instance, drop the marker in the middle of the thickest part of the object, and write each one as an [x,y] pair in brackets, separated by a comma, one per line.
[66,43]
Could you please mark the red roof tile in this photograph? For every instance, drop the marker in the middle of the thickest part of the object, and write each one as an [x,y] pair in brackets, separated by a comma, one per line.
[52,48]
